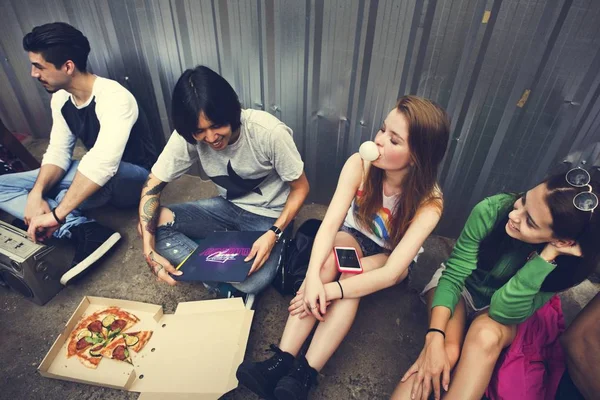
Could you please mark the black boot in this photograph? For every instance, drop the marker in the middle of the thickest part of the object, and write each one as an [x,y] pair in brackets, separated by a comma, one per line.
[261,377]
[297,384]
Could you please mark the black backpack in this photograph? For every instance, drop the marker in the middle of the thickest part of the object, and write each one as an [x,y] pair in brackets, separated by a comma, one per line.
[295,257]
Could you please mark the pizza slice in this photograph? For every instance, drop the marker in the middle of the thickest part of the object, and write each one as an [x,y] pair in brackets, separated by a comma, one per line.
[91,356]
[117,350]
[101,325]
[117,321]
[137,340]
[94,332]
[86,334]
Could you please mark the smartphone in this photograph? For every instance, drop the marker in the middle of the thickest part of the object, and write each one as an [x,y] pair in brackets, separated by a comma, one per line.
[347,260]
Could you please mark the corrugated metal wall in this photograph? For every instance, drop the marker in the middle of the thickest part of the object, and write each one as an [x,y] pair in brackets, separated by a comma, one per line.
[519,78]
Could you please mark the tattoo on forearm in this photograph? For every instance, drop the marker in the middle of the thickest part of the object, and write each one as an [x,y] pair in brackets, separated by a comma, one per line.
[150,214]
[151,206]
[156,189]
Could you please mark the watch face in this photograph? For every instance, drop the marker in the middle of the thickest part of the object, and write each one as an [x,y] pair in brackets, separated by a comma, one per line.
[276,231]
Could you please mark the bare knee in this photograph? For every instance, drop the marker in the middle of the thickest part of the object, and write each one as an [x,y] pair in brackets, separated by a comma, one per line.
[165,216]
[485,336]
[403,389]
[579,348]
[570,343]
[577,338]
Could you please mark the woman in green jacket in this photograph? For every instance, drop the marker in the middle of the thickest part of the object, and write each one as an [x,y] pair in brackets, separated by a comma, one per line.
[513,254]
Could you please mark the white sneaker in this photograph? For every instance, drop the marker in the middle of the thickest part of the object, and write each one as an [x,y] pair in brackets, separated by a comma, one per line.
[92,241]
[249,301]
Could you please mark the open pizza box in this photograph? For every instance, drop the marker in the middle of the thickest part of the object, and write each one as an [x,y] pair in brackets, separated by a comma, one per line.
[192,353]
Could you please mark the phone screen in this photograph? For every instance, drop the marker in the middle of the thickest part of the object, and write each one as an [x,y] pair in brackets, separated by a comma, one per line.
[348,258]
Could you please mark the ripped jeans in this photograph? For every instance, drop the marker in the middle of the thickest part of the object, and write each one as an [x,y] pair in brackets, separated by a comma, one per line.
[198,219]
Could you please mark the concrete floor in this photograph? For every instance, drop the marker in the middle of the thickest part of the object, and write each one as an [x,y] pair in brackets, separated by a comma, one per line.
[385,338]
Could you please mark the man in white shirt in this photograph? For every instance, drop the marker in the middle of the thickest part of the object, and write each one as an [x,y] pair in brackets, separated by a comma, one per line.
[104,116]
[251,158]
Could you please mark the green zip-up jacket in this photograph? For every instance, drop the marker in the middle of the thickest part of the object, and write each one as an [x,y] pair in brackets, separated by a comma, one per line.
[511,287]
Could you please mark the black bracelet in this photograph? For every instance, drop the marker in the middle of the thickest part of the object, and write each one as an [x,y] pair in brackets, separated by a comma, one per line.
[56,216]
[341,290]
[436,330]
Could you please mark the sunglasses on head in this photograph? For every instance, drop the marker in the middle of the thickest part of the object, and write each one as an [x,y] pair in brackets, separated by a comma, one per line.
[583,201]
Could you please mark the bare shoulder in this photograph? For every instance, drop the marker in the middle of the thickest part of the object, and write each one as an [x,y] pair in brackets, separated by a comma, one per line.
[433,204]
[355,161]
[353,165]
[352,170]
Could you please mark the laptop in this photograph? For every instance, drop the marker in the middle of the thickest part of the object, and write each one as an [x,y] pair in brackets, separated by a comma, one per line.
[220,258]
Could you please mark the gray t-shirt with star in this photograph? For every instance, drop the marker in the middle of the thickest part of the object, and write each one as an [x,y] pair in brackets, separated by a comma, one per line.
[252,173]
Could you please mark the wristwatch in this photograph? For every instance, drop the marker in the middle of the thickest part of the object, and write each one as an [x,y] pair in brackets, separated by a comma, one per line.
[277,232]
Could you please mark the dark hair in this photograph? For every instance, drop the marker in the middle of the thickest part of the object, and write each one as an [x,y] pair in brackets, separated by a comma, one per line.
[58,42]
[568,223]
[203,90]
[428,132]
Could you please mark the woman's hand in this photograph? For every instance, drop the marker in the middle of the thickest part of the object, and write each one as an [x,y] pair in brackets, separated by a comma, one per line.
[297,304]
[431,365]
[315,300]
[551,251]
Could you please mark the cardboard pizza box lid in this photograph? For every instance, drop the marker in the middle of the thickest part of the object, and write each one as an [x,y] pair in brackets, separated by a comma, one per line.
[193,353]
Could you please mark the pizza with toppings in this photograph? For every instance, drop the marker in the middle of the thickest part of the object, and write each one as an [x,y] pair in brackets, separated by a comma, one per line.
[137,340]
[103,334]
[117,350]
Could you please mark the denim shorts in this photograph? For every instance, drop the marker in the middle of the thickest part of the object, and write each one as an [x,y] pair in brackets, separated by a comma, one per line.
[367,246]
[470,308]
[370,248]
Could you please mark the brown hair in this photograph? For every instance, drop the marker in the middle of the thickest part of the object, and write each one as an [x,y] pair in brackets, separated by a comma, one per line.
[428,132]
[568,223]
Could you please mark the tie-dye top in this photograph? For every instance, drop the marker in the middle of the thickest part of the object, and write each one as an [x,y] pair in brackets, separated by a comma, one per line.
[380,223]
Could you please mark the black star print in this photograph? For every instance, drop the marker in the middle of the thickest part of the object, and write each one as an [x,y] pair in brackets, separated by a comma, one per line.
[235,185]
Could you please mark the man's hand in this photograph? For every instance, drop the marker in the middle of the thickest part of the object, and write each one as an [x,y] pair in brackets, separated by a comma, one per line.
[42,227]
[160,267]
[261,250]
[35,206]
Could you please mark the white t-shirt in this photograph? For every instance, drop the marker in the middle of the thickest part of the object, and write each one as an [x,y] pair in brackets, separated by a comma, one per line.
[104,124]
[252,173]
[379,232]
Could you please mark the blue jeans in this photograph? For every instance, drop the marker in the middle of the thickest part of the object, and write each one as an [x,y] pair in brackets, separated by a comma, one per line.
[122,190]
[198,219]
